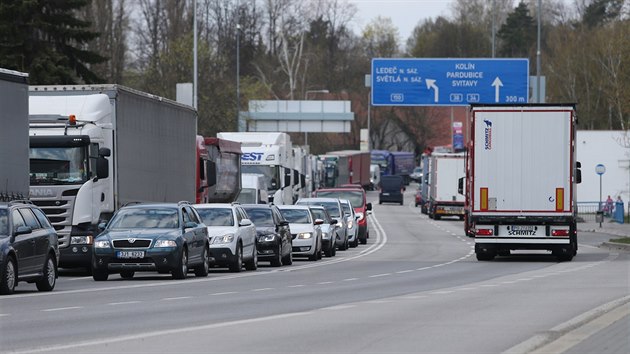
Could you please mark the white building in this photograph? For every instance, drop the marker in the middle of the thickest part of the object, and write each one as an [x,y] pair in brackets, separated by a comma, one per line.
[610,148]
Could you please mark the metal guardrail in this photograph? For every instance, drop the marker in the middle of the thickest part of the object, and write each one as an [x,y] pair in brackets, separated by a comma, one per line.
[588,210]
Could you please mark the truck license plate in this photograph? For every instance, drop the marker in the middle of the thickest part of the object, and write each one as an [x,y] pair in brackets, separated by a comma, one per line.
[523,227]
[130,254]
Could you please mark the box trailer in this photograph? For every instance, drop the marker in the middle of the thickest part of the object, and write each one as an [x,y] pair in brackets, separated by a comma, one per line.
[353,167]
[94,149]
[445,170]
[521,176]
[13,135]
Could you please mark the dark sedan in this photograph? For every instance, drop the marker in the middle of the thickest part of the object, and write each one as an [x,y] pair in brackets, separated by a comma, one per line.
[273,241]
[165,238]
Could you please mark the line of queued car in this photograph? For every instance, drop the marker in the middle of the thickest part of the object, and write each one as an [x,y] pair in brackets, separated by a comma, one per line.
[177,238]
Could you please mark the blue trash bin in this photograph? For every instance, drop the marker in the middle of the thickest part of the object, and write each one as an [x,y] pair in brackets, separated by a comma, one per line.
[618,213]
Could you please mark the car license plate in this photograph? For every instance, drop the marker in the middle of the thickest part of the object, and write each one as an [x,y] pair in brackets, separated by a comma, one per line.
[385,193]
[523,227]
[130,254]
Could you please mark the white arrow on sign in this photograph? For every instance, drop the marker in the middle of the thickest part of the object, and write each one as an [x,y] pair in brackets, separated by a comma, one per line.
[431,85]
[496,83]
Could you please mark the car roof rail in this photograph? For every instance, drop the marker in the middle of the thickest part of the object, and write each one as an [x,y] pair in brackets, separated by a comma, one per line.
[235,203]
[131,203]
[185,202]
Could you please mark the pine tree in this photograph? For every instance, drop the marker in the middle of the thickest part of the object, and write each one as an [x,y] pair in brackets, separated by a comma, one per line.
[45,39]
[518,33]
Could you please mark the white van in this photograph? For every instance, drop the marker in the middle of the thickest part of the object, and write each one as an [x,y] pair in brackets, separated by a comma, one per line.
[375,176]
[253,189]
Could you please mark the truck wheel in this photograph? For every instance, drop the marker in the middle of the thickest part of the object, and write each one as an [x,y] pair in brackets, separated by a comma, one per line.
[49,276]
[484,256]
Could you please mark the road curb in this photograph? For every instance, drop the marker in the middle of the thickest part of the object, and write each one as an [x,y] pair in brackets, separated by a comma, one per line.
[547,338]
[624,247]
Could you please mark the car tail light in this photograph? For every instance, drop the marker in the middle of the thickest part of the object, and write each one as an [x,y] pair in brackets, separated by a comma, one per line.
[560,232]
[484,232]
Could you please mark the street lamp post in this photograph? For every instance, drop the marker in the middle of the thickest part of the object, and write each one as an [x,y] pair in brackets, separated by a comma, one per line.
[238,76]
[306,99]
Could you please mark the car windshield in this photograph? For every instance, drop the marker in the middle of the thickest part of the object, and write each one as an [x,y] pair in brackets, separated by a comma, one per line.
[297,216]
[216,216]
[331,207]
[4,223]
[260,217]
[319,214]
[355,197]
[140,218]
[346,208]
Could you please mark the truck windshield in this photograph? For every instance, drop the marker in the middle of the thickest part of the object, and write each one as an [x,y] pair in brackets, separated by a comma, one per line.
[271,173]
[379,160]
[58,165]
[247,196]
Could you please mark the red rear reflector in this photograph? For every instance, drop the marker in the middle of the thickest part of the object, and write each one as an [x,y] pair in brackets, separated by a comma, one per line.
[560,233]
[484,232]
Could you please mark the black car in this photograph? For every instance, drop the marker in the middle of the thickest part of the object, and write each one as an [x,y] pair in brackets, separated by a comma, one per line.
[273,240]
[168,237]
[29,248]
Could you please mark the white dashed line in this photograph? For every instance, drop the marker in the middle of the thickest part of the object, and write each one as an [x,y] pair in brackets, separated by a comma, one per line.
[442,292]
[338,307]
[262,289]
[325,282]
[380,275]
[225,293]
[63,308]
[351,279]
[296,286]
[123,303]
[405,271]
[176,298]
[414,297]
[4,314]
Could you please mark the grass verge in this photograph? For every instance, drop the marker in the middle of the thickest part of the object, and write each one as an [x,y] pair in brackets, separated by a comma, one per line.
[625,240]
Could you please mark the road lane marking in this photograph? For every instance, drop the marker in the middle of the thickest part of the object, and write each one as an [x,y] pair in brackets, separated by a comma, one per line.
[63,308]
[296,286]
[338,307]
[5,314]
[177,298]
[325,283]
[380,275]
[124,303]
[443,292]
[351,279]
[223,293]
[404,271]
[144,335]
[262,289]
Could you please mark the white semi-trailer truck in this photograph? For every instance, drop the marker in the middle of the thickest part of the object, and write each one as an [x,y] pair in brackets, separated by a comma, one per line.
[13,135]
[269,154]
[445,170]
[521,176]
[95,148]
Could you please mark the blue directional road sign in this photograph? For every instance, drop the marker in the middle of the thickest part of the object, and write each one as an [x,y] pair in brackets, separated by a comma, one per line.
[449,82]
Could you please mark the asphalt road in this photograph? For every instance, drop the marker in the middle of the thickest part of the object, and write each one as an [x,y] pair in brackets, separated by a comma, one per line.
[416,287]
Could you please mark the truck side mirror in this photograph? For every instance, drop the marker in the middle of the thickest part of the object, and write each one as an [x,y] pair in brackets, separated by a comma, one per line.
[578,172]
[287,179]
[460,186]
[104,152]
[102,166]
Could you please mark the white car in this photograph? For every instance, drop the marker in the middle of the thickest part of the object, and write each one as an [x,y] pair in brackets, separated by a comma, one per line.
[232,236]
[351,222]
[305,231]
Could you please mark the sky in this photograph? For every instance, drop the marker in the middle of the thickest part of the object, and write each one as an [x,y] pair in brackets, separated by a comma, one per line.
[405,14]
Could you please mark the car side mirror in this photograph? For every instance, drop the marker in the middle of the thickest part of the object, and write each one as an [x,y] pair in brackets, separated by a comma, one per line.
[368,206]
[21,230]
[284,223]
[190,225]
[245,222]
[333,221]
[102,226]
[318,222]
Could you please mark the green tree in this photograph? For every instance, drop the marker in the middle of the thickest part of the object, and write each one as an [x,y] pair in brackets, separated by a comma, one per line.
[45,39]
[517,34]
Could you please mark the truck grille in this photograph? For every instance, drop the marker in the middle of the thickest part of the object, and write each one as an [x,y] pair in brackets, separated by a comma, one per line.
[59,212]
[138,243]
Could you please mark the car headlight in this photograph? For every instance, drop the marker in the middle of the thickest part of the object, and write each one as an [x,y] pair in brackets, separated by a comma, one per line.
[350,224]
[267,238]
[227,238]
[102,244]
[81,240]
[325,235]
[165,243]
[304,235]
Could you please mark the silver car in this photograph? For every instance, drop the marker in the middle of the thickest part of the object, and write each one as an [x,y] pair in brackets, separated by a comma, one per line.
[350,219]
[334,208]
[329,229]
[232,236]
[305,231]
